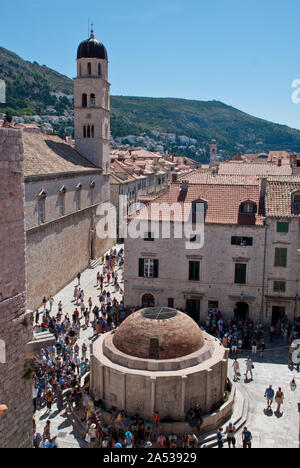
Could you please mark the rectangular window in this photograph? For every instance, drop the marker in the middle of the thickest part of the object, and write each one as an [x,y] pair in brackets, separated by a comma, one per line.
[194,271]
[92,196]
[240,273]
[78,200]
[280,257]
[61,205]
[42,211]
[213,305]
[242,241]
[171,302]
[148,268]
[279,286]
[283,227]
[149,237]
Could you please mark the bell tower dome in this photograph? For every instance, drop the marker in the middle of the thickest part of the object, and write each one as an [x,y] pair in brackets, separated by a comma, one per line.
[92,103]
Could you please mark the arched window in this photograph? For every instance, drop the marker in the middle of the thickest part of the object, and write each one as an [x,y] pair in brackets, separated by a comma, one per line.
[248,207]
[80,69]
[88,132]
[84,131]
[296,203]
[99,69]
[92,100]
[93,131]
[202,204]
[89,68]
[84,100]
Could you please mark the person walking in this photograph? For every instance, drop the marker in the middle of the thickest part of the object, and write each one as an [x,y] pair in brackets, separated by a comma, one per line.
[78,277]
[269,395]
[236,369]
[220,437]
[249,367]
[279,399]
[247,438]
[262,348]
[254,345]
[230,431]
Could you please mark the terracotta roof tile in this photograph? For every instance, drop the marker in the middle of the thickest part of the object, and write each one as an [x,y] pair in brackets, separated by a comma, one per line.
[223,202]
[278,198]
[48,154]
[253,169]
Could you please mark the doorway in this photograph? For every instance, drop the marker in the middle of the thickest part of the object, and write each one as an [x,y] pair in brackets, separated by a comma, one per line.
[193,309]
[148,300]
[241,311]
[278,313]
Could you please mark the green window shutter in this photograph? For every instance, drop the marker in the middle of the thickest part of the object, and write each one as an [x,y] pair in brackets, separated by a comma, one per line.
[280,257]
[141,267]
[155,268]
[194,271]
[283,227]
[240,273]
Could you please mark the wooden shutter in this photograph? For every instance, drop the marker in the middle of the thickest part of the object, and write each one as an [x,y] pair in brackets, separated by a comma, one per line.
[155,262]
[280,257]
[141,268]
[240,273]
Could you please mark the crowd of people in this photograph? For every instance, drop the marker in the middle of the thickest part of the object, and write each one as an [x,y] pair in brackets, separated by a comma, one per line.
[246,335]
[61,368]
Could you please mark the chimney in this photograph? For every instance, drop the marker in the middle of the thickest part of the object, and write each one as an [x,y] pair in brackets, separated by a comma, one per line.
[174,178]
[185,185]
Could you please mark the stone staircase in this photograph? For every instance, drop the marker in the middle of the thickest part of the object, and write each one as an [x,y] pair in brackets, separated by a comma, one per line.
[238,418]
[94,263]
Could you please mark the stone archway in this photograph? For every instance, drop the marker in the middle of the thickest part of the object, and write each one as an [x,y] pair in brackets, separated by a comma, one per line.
[241,311]
[148,300]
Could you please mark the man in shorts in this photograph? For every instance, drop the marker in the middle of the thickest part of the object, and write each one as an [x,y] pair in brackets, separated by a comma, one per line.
[230,431]
[247,438]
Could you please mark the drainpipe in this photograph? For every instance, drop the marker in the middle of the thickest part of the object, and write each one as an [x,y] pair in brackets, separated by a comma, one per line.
[264,273]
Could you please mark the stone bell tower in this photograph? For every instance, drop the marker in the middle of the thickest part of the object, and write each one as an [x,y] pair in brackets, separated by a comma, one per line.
[92,103]
[213,153]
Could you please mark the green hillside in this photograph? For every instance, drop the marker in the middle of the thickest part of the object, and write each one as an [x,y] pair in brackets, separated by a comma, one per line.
[30,89]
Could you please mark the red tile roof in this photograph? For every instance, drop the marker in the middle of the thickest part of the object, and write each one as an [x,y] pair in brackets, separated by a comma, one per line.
[254,169]
[278,198]
[223,203]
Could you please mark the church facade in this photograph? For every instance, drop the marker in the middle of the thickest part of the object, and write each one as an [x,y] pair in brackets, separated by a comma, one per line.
[65,187]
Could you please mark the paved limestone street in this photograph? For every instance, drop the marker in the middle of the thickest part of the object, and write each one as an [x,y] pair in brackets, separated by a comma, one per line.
[268,430]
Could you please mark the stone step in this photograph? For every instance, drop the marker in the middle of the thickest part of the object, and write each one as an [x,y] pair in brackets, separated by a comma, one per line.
[94,263]
[238,418]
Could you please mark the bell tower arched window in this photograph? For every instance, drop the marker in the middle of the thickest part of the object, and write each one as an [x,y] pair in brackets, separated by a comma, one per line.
[99,69]
[89,68]
[84,100]
[88,132]
[84,131]
[93,131]
[92,100]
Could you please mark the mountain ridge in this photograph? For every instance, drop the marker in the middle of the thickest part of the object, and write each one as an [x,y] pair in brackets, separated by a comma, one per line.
[34,89]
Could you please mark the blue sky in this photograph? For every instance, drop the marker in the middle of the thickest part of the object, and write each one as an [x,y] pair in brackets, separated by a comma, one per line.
[245,53]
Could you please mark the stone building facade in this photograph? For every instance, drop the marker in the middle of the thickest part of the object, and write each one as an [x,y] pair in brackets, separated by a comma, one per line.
[248,265]
[15,326]
[66,188]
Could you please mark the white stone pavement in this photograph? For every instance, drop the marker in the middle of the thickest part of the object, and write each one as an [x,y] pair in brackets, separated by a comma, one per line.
[60,425]
[269,431]
[272,430]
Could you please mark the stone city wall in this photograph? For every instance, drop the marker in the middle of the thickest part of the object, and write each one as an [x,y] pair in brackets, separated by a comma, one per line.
[15,327]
